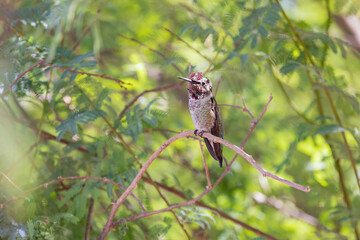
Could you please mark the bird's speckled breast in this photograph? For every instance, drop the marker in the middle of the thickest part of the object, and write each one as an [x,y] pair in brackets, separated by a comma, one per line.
[201,114]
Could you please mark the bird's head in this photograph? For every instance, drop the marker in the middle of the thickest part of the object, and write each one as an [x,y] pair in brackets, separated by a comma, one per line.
[198,86]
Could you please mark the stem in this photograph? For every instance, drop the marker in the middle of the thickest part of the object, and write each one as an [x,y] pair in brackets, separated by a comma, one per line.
[327,93]
[109,225]
[205,166]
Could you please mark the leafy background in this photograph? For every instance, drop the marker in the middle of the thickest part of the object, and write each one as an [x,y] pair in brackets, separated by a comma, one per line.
[53,122]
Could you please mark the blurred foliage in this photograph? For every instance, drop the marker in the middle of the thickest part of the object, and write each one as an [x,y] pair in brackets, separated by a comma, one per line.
[53,122]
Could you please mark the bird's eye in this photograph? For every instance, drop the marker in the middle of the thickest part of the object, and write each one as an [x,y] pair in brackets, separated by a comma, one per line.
[207,81]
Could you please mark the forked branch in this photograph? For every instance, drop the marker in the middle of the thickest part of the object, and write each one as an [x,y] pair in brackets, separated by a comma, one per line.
[109,224]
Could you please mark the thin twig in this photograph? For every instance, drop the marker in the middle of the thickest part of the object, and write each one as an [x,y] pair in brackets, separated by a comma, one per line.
[187,44]
[290,209]
[159,89]
[205,165]
[290,102]
[217,86]
[61,179]
[88,221]
[194,200]
[120,82]
[23,74]
[207,18]
[10,181]
[152,50]
[89,27]
[109,225]
[222,214]
[128,148]
[254,123]
[327,94]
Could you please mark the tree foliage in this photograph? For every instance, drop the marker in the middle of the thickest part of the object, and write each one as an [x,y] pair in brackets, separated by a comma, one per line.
[90,88]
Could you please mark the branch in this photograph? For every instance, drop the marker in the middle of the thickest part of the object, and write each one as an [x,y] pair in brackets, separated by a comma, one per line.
[222,214]
[205,166]
[88,222]
[120,82]
[207,18]
[89,27]
[290,209]
[159,89]
[254,123]
[152,50]
[132,153]
[61,179]
[327,94]
[187,44]
[109,225]
[194,200]
[23,74]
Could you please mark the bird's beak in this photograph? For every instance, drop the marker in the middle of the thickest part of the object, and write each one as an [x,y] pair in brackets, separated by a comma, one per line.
[189,80]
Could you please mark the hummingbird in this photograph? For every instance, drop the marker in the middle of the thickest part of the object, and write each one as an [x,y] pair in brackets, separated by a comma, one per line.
[204,112]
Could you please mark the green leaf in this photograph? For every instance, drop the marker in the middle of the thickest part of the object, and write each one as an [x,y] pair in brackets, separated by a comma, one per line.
[71,122]
[289,67]
[272,15]
[88,64]
[73,75]
[31,228]
[109,191]
[327,129]
[206,33]
[350,98]
[342,48]
[78,59]
[263,32]
[75,189]
[102,96]
[68,217]
[253,41]
[195,32]
[187,27]
[150,119]
[79,205]
[244,58]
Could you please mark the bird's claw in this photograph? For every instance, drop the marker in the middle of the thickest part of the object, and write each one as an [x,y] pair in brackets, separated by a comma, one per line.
[199,133]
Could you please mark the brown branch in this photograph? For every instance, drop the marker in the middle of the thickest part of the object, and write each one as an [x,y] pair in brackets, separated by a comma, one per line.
[250,159]
[132,153]
[159,89]
[61,179]
[109,225]
[217,86]
[327,94]
[254,123]
[88,221]
[194,200]
[120,82]
[39,63]
[205,166]
[207,18]
[189,202]
[187,44]
[222,214]
[152,50]
[89,27]
[290,209]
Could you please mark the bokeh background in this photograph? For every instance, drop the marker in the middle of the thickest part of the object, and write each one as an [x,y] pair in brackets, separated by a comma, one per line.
[305,53]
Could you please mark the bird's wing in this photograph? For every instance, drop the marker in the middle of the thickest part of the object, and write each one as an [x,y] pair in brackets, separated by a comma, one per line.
[216,130]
